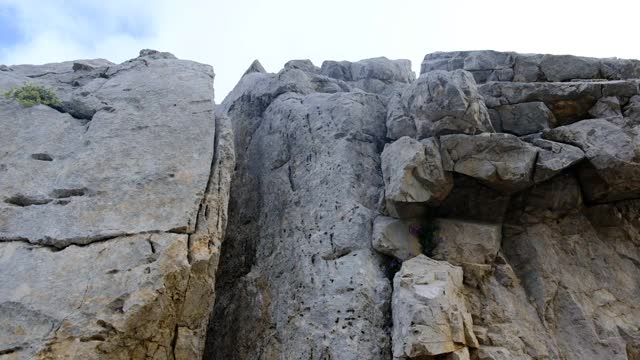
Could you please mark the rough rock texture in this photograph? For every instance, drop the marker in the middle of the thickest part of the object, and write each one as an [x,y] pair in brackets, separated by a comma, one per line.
[429,314]
[413,173]
[299,277]
[501,161]
[487,210]
[394,237]
[487,65]
[439,102]
[113,210]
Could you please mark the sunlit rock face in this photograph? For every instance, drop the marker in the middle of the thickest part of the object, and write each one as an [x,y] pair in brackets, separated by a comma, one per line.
[499,200]
[486,210]
[112,209]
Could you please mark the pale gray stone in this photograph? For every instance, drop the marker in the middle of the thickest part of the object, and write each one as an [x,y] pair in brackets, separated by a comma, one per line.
[428,308]
[413,173]
[438,103]
[111,223]
[501,161]
[613,158]
[463,242]
[524,118]
[394,237]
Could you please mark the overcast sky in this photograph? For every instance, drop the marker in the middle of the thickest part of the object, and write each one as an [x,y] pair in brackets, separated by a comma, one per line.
[230,34]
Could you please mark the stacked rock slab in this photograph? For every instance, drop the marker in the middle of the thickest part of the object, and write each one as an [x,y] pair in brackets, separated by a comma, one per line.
[299,278]
[561,183]
[112,210]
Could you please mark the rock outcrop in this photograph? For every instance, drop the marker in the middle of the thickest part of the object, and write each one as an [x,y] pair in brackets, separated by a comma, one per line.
[113,210]
[487,210]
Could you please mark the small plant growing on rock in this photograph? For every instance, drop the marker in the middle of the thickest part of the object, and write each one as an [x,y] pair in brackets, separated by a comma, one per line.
[424,233]
[31,94]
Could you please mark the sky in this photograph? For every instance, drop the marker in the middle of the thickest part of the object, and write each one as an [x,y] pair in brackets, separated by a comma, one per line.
[230,34]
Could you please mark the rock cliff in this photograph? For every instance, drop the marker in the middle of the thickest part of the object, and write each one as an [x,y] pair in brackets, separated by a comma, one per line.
[113,210]
[487,210]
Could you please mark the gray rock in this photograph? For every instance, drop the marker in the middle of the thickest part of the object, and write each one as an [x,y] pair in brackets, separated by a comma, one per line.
[632,109]
[606,107]
[469,199]
[413,173]
[501,161]
[567,67]
[613,158]
[304,65]
[484,65]
[553,158]
[115,174]
[299,277]
[439,102]
[463,242]
[394,237]
[488,65]
[255,67]
[524,118]
[429,313]
[141,186]
[377,75]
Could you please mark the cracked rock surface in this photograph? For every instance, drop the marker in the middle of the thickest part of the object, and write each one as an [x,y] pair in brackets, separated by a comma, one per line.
[112,209]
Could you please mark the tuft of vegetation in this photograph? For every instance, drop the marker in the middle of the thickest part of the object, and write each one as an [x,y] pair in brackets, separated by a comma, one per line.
[31,94]
[426,234]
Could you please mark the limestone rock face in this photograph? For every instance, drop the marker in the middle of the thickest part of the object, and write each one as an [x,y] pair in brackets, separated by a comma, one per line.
[429,314]
[396,237]
[413,173]
[613,154]
[299,278]
[523,119]
[439,102]
[488,65]
[113,210]
[501,161]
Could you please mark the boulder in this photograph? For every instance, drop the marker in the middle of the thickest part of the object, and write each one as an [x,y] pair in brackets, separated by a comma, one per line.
[397,238]
[523,118]
[568,67]
[464,242]
[255,67]
[413,173]
[606,107]
[439,102]
[377,75]
[429,312]
[501,161]
[553,157]
[613,155]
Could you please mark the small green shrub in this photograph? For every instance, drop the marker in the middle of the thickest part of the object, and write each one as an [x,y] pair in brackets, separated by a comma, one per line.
[31,94]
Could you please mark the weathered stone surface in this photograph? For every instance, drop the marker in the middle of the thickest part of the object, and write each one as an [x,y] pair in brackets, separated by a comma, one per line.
[255,66]
[141,181]
[569,102]
[489,65]
[429,313]
[553,157]
[439,102]
[501,161]
[394,237]
[377,75]
[463,242]
[299,277]
[613,166]
[137,166]
[606,107]
[578,269]
[524,118]
[413,173]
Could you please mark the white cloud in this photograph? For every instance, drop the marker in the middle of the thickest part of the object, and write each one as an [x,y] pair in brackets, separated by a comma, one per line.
[231,34]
